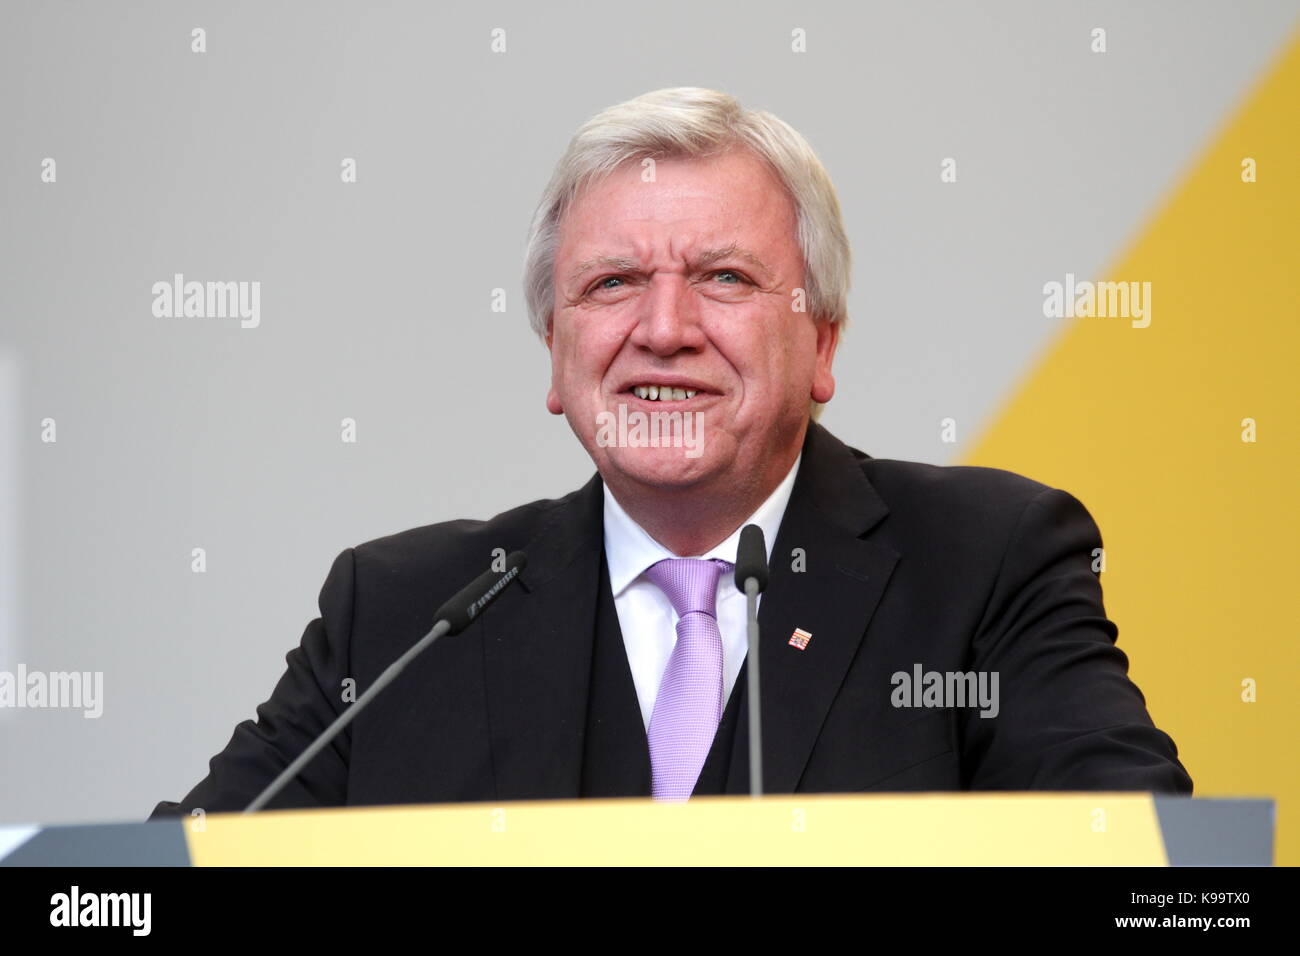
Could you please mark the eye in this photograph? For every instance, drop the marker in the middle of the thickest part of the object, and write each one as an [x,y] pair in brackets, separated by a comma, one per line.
[605,284]
[733,274]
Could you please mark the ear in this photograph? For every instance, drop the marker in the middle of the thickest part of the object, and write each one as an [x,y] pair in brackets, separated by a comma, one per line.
[828,339]
[553,404]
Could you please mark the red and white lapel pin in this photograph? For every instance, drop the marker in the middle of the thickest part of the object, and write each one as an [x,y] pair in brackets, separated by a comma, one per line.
[799,639]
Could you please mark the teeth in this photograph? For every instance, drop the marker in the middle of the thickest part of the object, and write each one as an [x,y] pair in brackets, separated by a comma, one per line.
[664,393]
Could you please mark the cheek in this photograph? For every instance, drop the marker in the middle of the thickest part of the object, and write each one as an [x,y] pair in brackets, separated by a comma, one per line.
[581,356]
[766,356]
[776,368]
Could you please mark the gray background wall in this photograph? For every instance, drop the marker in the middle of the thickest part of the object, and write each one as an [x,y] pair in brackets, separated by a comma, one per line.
[183,433]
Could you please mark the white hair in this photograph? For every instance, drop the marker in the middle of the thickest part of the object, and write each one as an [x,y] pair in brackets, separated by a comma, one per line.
[692,123]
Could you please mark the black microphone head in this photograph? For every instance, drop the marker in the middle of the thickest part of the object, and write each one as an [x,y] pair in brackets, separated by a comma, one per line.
[751,557]
[467,603]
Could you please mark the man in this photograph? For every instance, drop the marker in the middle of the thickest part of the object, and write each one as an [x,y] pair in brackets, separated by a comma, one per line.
[688,258]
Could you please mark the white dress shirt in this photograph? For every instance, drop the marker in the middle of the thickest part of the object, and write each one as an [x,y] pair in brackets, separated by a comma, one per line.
[645,614]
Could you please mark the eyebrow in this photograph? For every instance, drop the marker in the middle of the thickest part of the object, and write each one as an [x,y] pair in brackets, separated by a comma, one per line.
[705,259]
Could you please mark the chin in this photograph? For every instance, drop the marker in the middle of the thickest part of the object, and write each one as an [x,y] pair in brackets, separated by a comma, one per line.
[658,467]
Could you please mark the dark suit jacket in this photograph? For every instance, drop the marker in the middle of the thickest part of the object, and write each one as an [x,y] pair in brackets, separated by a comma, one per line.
[954,569]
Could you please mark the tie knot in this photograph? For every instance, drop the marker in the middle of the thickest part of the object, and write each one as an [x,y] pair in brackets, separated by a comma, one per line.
[691,584]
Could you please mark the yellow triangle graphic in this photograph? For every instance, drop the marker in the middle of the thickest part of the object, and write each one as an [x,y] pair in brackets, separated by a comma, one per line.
[1146,425]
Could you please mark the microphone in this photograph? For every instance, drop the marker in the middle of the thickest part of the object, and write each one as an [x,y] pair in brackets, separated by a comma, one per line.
[453,617]
[751,578]
[466,604]
[751,558]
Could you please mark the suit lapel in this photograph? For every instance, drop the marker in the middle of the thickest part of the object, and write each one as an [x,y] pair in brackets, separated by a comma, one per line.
[831,509]
[538,637]
[537,645]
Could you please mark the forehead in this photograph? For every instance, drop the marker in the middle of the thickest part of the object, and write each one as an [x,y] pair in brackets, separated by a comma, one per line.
[681,202]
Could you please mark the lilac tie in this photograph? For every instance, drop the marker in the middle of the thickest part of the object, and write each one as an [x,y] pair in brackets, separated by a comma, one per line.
[689,705]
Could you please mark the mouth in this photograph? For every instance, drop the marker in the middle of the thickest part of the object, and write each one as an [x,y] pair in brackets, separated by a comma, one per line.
[667,393]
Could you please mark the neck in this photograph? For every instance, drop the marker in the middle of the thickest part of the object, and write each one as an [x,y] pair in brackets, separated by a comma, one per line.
[693,521]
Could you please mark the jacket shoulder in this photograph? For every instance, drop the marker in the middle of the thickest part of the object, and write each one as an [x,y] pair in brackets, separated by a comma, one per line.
[980,507]
[459,543]
[954,486]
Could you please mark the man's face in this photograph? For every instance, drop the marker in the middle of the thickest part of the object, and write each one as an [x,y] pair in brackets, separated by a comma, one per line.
[688,281]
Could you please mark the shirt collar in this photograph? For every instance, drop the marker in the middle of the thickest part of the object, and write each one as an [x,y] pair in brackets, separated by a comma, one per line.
[629,549]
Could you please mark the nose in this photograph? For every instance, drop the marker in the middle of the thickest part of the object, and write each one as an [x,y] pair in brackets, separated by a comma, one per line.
[669,318]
